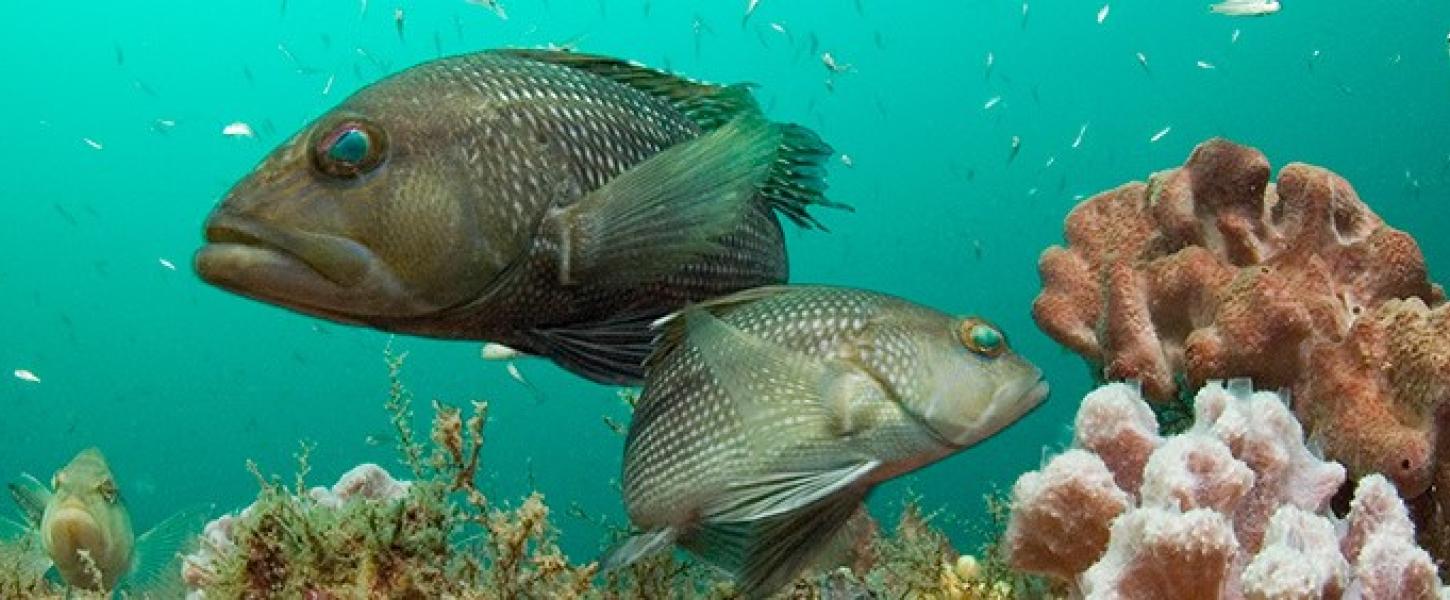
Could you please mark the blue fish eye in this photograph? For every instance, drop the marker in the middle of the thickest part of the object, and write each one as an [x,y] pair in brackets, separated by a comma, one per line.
[981,337]
[350,147]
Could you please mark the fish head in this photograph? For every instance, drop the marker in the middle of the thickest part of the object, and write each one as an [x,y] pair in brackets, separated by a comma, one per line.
[382,212]
[85,516]
[970,384]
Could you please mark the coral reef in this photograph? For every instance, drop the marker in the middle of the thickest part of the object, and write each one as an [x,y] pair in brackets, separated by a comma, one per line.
[1235,507]
[1209,271]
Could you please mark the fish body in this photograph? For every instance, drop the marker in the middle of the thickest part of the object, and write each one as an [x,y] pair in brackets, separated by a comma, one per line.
[82,527]
[768,415]
[1246,8]
[82,513]
[552,202]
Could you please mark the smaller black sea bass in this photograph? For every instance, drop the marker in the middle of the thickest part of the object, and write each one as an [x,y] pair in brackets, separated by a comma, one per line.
[768,415]
[553,202]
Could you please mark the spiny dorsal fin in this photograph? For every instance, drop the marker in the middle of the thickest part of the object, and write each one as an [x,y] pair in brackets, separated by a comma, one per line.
[707,104]
[797,177]
[671,327]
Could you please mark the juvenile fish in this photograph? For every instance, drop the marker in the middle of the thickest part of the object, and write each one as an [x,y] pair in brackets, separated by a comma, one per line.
[1246,8]
[82,513]
[552,202]
[767,417]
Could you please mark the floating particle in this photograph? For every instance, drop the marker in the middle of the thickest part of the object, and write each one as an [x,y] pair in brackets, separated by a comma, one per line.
[750,7]
[778,28]
[26,375]
[1051,160]
[1203,64]
[493,351]
[1103,14]
[1080,132]
[1246,8]
[162,125]
[167,264]
[846,160]
[92,143]
[398,21]
[327,87]
[238,129]
[513,371]
[1234,39]
[991,102]
[1161,132]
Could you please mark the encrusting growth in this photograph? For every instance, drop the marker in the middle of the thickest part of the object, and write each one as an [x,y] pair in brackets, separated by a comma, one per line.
[1235,507]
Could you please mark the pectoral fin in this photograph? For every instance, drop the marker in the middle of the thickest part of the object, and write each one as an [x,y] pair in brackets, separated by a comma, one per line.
[779,493]
[669,210]
[31,496]
[783,398]
[154,562]
[767,553]
[637,547]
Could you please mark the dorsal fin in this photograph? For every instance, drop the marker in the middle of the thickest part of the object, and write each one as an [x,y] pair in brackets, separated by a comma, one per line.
[797,178]
[671,328]
[707,104]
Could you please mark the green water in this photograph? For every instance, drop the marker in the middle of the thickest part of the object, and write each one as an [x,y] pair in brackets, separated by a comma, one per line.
[180,383]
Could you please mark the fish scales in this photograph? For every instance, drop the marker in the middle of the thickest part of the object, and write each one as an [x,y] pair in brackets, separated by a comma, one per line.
[768,416]
[478,197]
[686,437]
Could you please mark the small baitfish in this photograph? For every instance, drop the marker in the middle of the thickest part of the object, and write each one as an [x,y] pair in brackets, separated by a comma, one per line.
[549,201]
[768,415]
[80,518]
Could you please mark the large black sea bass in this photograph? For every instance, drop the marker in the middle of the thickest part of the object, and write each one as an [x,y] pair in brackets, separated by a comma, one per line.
[768,415]
[550,201]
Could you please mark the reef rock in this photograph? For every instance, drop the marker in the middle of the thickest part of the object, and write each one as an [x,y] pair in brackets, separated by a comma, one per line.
[1235,507]
[1209,271]
[365,482]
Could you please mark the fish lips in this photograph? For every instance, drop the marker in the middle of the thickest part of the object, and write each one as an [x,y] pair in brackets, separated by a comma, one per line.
[314,273]
[1009,403]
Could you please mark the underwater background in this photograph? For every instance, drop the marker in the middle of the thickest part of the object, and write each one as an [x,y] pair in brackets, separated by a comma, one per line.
[113,152]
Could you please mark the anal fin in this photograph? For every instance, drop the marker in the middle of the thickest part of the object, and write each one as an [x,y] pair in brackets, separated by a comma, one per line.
[766,554]
[637,547]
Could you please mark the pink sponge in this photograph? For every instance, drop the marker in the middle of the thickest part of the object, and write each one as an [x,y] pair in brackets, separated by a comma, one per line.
[1235,507]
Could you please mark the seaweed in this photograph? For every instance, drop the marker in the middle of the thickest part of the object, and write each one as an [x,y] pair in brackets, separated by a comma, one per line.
[440,536]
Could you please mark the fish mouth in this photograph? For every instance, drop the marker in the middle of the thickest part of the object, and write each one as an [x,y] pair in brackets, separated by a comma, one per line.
[314,273]
[1022,396]
[1010,401]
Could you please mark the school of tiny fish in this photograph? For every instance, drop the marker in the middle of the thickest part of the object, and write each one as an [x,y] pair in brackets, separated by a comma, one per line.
[632,233]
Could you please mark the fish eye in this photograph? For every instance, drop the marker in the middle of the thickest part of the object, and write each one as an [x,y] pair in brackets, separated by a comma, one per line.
[349,149]
[107,488]
[982,337]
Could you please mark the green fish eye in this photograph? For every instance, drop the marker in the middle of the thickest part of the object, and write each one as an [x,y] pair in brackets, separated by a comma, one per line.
[349,149]
[981,337]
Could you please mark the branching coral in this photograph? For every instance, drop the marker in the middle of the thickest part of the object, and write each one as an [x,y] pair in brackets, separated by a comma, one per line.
[1236,507]
[1210,271]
